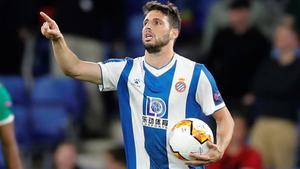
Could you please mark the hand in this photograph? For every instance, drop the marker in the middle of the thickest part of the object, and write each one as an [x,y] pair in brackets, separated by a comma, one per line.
[213,155]
[50,29]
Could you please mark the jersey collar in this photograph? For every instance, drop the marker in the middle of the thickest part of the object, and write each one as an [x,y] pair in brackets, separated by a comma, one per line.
[157,72]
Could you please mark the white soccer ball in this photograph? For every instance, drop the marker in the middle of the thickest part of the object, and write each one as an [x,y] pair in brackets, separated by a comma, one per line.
[190,135]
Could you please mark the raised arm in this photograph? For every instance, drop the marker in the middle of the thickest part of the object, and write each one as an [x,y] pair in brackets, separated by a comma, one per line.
[69,63]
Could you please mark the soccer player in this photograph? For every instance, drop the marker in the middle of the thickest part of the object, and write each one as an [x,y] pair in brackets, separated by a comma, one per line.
[155,91]
[9,144]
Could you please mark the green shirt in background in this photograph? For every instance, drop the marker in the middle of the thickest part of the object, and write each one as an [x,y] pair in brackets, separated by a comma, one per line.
[6,115]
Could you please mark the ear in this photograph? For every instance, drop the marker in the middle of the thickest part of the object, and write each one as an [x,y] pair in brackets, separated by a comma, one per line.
[174,33]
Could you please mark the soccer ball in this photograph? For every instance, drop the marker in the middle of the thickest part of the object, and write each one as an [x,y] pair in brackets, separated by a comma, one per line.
[190,135]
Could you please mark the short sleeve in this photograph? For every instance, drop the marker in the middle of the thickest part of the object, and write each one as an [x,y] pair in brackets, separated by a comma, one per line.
[111,71]
[208,96]
[6,115]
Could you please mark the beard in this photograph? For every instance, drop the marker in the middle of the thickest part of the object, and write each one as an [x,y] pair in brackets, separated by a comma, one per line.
[158,44]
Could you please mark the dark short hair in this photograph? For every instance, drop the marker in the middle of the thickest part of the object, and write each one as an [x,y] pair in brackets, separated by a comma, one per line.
[240,4]
[168,9]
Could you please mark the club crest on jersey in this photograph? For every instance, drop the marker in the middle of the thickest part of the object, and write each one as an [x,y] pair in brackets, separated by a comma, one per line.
[180,86]
[155,110]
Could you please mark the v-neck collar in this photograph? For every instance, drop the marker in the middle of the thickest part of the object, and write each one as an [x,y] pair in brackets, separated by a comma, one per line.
[158,72]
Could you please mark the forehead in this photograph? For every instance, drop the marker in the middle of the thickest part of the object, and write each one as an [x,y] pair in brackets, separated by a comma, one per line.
[156,14]
[284,31]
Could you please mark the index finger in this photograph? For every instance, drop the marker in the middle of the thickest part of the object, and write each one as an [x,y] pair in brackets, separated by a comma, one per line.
[46,17]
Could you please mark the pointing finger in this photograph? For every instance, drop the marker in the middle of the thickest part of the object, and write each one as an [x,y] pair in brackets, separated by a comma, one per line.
[46,17]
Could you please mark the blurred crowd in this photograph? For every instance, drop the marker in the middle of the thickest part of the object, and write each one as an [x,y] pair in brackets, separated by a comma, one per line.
[250,46]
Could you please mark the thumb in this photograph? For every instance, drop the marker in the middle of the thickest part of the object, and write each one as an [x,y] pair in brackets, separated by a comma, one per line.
[211,145]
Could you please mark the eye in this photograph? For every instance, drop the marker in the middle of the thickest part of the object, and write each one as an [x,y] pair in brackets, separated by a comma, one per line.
[157,22]
[145,22]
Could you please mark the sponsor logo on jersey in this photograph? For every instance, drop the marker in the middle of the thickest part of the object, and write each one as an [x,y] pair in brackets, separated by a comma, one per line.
[155,110]
[155,107]
[155,122]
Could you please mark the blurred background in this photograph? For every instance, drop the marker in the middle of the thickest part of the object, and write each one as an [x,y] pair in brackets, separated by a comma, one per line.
[250,46]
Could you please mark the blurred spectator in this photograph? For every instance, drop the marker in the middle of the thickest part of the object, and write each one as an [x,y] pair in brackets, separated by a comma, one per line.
[65,156]
[265,20]
[277,94]
[7,134]
[115,158]
[239,155]
[236,52]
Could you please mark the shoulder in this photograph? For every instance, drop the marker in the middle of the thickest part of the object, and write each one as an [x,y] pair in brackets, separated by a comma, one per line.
[3,91]
[117,60]
[183,61]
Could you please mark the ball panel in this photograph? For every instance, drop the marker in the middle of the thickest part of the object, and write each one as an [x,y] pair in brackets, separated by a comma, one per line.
[189,135]
[182,123]
[200,135]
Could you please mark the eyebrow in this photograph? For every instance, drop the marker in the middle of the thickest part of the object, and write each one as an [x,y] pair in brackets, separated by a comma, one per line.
[152,19]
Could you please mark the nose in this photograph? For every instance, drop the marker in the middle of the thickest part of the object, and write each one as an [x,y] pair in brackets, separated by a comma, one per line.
[147,26]
[147,29]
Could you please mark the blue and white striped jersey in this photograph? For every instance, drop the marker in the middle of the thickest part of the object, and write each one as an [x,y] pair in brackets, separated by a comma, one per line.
[153,100]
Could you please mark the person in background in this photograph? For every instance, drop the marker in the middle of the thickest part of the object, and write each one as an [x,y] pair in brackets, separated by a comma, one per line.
[276,94]
[7,135]
[65,156]
[239,155]
[236,53]
[115,158]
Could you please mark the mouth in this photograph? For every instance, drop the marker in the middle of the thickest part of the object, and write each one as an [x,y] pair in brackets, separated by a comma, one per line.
[148,36]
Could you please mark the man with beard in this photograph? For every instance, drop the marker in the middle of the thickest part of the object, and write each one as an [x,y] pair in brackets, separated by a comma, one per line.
[155,91]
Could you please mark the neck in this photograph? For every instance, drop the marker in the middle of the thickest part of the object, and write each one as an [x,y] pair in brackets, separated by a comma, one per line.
[161,58]
[286,57]
[241,29]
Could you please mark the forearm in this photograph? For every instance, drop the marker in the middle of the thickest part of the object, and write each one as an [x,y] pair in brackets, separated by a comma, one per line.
[69,63]
[224,133]
[10,147]
[12,157]
[65,58]
[224,129]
